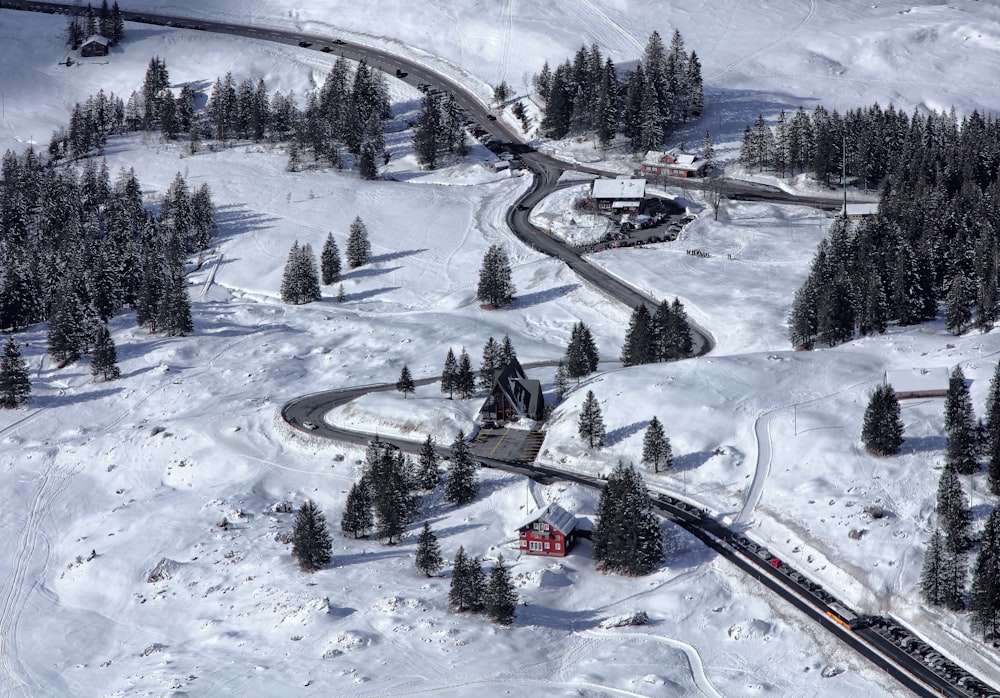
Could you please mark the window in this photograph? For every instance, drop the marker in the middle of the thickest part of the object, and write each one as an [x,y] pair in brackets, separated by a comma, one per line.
[546,545]
[558,546]
[535,546]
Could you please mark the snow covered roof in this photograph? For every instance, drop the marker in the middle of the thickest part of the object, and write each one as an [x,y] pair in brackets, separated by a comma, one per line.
[854,210]
[555,516]
[96,39]
[918,381]
[619,188]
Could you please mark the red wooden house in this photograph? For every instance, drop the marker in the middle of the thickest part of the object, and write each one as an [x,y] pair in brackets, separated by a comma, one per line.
[550,531]
[673,163]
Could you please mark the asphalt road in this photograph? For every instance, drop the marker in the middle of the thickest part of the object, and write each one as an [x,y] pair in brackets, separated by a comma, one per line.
[312,408]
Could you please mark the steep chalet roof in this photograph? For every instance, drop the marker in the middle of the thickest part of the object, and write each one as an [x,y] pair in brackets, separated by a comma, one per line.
[555,516]
[623,187]
[96,39]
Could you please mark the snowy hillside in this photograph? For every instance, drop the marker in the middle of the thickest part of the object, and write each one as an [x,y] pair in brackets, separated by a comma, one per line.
[104,481]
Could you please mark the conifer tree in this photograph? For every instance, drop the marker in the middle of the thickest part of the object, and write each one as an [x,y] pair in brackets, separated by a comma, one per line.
[495,286]
[387,471]
[357,518]
[468,583]
[405,382]
[639,347]
[581,353]
[427,131]
[984,593]
[300,281]
[507,353]
[311,543]
[465,379]
[427,465]
[449,375]
[626,537]
[341,296]
[656,447]
[993,432]
[428,559]
[882,432]
[960,425]
[953,510]
[15,387]
[367,167]
[591,423]
[491,364]
[676,333]
[104,359]
[359,249]
[329,261]
[461,486]
[559,382]
[932,575]
[500,599]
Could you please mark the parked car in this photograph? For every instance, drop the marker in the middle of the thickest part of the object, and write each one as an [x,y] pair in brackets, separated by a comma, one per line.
[309,425]
[304,44]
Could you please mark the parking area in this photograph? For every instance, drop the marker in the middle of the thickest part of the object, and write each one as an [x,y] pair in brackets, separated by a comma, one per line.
[518,445]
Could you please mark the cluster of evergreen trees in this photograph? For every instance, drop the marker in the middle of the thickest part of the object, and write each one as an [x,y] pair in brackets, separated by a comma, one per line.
[15,385]
[665,337]
[75,249]
[300,281]
[934,239]
[944,578]
[440,130]
[108,22]
[584,96]
[458,376]
[472,591]
[626,537]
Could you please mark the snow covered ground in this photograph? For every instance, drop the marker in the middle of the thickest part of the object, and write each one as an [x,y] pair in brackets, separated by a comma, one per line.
[143,469]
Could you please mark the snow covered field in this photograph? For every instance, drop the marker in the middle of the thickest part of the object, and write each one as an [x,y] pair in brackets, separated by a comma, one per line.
[142,469]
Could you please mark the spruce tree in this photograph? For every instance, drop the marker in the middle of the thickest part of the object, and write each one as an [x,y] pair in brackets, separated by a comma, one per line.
[639,339]
[495,286]
[953,510]
[428,559]
[329,261]
[507,353]
[357,518]
[984,594]
[626,537]
[960,425]
[104,358]
[427,465]
[500,599]
[449,374]
[359,249]
[993,432]
[387,472]
[591,423]
[932,579]
[676,333]
[311,543]
[882,432]
[427,131]
[656,447]
[367,167]
[559,381]
[468,583]
[461,486]
[15,387]
[465,379]
[405,382]
[300,281]
[581,353]
[491,364]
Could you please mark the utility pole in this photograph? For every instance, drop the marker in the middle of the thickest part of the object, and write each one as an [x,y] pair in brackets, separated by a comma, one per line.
[843,169]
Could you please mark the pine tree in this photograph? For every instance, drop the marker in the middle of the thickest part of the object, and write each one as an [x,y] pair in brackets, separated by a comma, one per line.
[104,360]
[461,486]
[656,447]
[329,261]
[359,249]
[300,281]
[367,167]
[15,387]
[387,471]
[449,375]
[960,425]
[428,559]
[495,286]
[882,432]
[468,583]
[559,383]
[491,364]
[932,579]
[953,510]
[708,151]
[405,382]
[984,594]
[626,537]
[357,518]
[311,543]
[591,423]
[507,353]
[993,432]
[465,379]
[676,333]
[341,296]
[581,353]
[639,339]
[427,465]
[500,599]
[426,132]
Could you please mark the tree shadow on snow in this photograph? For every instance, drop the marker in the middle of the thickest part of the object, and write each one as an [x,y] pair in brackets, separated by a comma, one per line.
[365,295]
[71,399]
[923,444]
[390,256]
[618,435]
[549,294]
[235,219]
[366,272]
[690,461]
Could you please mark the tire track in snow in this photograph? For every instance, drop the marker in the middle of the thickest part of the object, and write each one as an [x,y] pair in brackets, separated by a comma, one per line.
[612,24]
[781,39]
[508,31]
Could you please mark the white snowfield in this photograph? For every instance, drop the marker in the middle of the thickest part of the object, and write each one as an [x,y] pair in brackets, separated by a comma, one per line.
[103,482]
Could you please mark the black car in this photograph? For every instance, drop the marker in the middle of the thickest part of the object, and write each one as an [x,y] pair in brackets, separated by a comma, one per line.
[304,44]
[521,207]
[491,117]
[326,49]
[339,42]
[401,73]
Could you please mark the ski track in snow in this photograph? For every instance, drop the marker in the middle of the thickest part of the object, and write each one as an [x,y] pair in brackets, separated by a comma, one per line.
[611,24]
[507,12]
[694,659]
[31,543]
[763,49]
